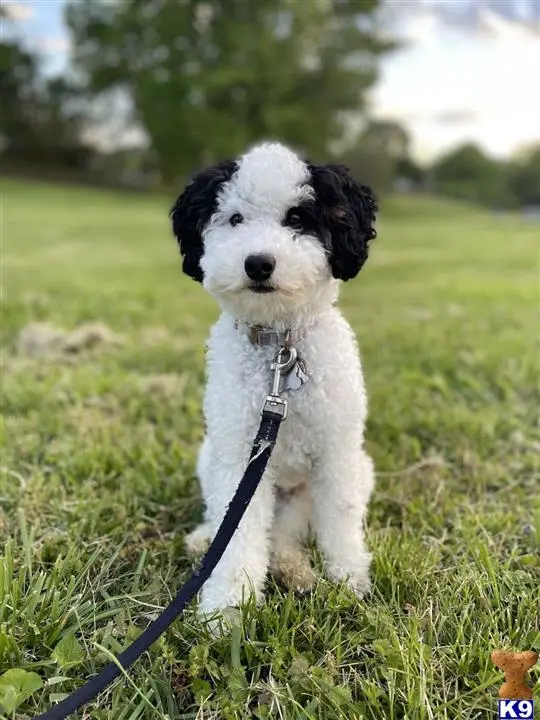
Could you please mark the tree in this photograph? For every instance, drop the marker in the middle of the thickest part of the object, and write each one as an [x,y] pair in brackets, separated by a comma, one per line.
[408,169]
[18,71]
[524,175]
[378,154]
[209,78]
[469,174]
[37,123]
[387,137]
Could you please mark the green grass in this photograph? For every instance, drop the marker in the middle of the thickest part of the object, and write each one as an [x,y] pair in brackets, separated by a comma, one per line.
[98,486]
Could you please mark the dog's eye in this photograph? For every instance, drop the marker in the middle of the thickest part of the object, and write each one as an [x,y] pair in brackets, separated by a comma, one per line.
[294,220]
[236,219]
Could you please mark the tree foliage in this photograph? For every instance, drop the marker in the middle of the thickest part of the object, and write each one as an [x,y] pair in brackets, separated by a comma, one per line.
[468,173]
[208,78]
[379,154]
[37,121]
[524,177]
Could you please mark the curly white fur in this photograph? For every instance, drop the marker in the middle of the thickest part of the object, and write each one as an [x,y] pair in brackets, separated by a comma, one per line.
[319,476]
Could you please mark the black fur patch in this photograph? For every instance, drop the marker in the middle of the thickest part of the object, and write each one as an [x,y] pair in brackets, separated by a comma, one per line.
[346,211]
[192,211]
[304,219]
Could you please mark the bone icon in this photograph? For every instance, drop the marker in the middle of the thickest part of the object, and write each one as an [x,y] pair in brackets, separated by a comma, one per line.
[515,666]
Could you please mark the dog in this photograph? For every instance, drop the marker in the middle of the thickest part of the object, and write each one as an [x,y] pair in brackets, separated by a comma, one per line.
[271,236]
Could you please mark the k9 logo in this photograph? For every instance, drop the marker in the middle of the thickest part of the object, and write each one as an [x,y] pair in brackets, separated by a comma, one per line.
[523,709]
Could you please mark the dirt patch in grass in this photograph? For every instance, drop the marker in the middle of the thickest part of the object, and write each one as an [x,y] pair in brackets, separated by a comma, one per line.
[40,340]
[89,336]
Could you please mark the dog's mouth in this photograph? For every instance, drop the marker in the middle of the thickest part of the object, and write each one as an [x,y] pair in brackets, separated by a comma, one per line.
[261,288]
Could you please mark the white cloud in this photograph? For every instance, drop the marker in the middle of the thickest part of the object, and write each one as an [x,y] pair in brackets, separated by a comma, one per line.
[451,87]
[419,27]
[497,26]
[18,11]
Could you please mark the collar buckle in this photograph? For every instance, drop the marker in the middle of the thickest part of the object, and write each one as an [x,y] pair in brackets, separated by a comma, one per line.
[267,337]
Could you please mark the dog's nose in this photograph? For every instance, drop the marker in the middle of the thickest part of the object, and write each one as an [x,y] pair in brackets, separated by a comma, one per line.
[259,267]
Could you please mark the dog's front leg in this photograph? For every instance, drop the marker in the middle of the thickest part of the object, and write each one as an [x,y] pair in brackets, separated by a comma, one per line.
[242,570]
[341,486]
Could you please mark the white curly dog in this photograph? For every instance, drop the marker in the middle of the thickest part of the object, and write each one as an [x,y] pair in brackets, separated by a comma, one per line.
[271,236]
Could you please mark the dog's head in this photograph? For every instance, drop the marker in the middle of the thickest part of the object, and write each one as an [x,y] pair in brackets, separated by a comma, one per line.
[269,235]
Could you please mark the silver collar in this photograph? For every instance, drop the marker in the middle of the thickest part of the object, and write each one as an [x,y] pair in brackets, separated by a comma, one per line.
[265,337]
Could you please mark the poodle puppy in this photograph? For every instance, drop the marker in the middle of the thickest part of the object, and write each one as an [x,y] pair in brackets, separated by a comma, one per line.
[270,236]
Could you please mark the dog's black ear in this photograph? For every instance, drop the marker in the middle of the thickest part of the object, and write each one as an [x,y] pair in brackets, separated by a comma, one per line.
[192,211]
[348,213]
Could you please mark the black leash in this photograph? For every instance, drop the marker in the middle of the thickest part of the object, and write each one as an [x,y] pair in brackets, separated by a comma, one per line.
[273,413]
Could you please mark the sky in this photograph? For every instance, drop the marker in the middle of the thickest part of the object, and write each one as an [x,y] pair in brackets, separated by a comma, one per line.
[446,86]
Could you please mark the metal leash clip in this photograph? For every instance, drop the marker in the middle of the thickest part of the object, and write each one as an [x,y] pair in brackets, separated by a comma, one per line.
[282,364]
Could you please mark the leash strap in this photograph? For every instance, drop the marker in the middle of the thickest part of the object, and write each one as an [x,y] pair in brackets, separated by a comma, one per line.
[260,454]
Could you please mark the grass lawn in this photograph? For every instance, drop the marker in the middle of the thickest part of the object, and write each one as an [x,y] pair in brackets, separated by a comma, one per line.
[98,487]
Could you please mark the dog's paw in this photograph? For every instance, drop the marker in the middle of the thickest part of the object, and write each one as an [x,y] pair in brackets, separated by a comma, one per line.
[198,541]
[293,568]
[220,622]
[359,584]
[357,579]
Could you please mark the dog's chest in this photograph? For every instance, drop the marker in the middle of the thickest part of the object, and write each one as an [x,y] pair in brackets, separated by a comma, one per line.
[329,401]
[293,456]
[299,434]
[297,386]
